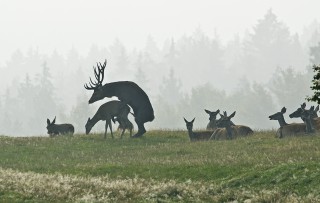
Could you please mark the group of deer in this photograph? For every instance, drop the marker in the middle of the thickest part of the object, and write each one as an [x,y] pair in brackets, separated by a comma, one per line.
[110,111]
[311,121]
[218,129]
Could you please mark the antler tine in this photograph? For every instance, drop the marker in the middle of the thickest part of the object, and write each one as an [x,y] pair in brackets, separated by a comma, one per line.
[99,75]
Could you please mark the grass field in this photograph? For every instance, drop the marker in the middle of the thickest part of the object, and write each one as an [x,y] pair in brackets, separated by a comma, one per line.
[163,166]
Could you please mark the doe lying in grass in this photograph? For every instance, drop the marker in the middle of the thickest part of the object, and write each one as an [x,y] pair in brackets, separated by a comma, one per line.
[56,129]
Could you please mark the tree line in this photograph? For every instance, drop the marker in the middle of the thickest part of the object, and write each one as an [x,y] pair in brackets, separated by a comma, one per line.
[256,74]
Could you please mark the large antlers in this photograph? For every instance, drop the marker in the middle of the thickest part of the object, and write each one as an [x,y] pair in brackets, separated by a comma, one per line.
[99,75]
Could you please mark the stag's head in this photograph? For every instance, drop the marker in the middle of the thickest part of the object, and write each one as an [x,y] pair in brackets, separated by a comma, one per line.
[97,86]
[189,124]
[51,126]
[212,114]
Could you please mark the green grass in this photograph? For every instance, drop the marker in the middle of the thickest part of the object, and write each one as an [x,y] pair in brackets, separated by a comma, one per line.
[261,168]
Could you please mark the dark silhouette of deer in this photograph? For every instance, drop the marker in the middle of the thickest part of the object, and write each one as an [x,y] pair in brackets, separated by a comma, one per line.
[107,112]
[197,136]
[290,129]
[127,92]
[56,129]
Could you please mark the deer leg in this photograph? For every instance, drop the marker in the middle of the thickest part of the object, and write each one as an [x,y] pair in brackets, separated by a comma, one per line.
[141,130]
[106,129]
[110,126]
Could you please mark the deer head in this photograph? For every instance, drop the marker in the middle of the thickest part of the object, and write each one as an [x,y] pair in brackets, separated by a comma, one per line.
[97,86]
[51,126]
[189,124]
[212,114]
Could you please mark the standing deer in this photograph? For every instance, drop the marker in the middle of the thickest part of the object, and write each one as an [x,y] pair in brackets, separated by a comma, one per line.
[56,129]
[196,136]
[127,92]
[107,112]
[289,129]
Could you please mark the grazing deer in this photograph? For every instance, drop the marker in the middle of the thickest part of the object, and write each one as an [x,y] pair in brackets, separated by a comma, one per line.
[56,129]
[124,124]
[196,136]
[212,119]
[127,92]
[289,129]
[228,130]
[107,112]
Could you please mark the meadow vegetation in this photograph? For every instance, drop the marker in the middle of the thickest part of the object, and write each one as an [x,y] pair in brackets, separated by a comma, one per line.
[162,166]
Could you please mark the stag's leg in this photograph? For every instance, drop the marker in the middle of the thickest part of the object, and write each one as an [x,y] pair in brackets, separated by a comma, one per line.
[106,129]
[141,129]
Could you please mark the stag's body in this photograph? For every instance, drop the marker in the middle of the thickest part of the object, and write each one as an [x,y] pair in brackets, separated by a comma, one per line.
[286,129]
[199,135]
[107,112]
[127,92]
[56,129]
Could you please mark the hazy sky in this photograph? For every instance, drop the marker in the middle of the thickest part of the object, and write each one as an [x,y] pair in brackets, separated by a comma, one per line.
[61,24]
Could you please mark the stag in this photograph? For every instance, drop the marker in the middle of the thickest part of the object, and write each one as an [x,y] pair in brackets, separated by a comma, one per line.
[196,136]
[290,129]
[56,129]
[127,92]
[107,112]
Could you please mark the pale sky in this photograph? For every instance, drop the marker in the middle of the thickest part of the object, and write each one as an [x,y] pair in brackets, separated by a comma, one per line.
[62,24]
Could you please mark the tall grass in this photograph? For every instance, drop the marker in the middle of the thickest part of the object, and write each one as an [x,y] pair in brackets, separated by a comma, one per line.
[162,166]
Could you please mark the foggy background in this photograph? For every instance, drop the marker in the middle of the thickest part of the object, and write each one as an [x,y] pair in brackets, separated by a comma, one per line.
[253,57]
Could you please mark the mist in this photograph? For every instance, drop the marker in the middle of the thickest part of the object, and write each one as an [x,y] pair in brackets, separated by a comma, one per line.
[249,57]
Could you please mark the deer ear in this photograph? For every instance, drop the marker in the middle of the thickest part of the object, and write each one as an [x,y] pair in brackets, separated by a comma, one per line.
[312,108]
[283,110]
[207,111]
[54,120]
[218,111]
[232,115]
[317,108]
[193,120]
[48,121]
[185,120]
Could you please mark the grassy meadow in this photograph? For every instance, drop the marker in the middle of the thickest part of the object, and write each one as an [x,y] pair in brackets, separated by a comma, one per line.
[162,166]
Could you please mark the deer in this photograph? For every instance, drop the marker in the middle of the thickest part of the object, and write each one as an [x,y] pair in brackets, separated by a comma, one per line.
[196,136]
[107,112]
[212,119]
[56,129]
[305,114]
[292,129]
[127,92]
[228,130]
